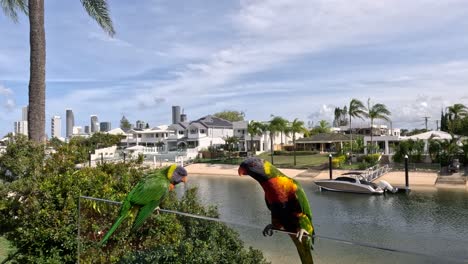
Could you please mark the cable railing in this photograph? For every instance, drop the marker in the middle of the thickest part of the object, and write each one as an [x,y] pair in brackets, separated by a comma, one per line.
[402,253]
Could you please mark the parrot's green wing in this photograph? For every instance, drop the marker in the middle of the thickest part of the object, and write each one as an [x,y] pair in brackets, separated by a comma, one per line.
[302,198]
[148,194]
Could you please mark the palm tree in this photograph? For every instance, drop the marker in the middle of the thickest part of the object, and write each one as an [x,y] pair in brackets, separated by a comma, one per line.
[296,126]
[356,109]
[456,111]
[97,9]
[277,124]
[377,111]
[254,128]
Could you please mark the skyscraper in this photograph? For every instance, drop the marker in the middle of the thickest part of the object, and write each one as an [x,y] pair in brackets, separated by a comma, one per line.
[24,114]
[70,123]
[94,124]
[21,127]
[56,127]
[175,114]
[105,126]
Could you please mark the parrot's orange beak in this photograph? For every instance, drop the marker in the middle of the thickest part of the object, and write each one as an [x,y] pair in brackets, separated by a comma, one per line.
[184,179]
[171,187]
[241,171]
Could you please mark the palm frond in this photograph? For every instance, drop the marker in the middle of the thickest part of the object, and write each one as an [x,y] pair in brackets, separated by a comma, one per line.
[10,8]
[99,11]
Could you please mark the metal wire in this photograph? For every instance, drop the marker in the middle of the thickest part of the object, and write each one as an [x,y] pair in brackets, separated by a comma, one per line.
[338,240]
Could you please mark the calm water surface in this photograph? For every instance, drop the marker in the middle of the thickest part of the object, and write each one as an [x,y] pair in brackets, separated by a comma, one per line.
[431,222]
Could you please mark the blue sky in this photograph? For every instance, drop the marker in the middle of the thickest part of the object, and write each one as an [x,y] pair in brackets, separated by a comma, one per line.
[287,58]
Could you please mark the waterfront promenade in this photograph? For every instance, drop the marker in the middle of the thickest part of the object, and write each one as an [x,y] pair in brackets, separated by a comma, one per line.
[417,179]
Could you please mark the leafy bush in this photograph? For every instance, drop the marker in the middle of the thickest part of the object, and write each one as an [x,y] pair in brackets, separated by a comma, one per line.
[371,159]
[337,162]
[38,215]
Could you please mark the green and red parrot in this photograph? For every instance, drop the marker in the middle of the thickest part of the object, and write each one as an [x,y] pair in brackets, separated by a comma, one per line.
[287,201]
[147,195]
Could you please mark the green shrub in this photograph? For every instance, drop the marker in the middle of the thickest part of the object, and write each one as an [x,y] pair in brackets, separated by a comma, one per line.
[38,215]
[337,162]
[371,159]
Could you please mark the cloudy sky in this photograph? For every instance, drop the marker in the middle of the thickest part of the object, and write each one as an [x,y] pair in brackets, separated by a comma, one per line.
[275,57]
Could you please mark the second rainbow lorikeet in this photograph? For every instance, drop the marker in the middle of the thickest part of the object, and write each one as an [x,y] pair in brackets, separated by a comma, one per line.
[287,201]
[147,195]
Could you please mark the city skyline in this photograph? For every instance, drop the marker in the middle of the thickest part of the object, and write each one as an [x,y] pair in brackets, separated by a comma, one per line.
[261,58]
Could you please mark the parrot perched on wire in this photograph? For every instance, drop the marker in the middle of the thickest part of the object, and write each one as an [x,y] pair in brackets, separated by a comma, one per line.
[146,196]
[287,201]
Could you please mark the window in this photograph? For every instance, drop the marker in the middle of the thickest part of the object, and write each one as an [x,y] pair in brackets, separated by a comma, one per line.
[181,132]
[193,131]
[157,135]
[202,131]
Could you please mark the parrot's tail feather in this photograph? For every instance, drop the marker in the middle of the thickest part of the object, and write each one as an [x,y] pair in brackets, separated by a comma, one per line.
[114,227]
[304,249]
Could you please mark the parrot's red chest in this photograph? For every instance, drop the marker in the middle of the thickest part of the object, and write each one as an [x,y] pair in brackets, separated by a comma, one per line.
[279,190]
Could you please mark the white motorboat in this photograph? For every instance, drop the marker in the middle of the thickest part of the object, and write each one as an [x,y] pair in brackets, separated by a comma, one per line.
[354,182]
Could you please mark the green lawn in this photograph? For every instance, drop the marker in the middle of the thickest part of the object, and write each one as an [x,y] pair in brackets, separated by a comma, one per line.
[5,248]
[302,161]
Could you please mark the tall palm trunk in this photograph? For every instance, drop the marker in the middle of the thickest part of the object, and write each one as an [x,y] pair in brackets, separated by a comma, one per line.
[371,136]
[36,107]
[351,134]
[294,147]
[271,145]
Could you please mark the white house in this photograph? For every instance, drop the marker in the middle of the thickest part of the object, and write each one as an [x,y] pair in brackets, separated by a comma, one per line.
[151,137]
[208,131]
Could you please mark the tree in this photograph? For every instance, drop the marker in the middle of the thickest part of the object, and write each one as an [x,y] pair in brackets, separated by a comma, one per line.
[231,115]
[255,128]
[376,111]
[322,127]
[97,9]
[340,116]
[356,110]
[125,124]
[297,126]
[277,124]
[456,111]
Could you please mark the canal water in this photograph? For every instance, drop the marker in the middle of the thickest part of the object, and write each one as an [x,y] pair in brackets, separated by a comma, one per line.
[432,223]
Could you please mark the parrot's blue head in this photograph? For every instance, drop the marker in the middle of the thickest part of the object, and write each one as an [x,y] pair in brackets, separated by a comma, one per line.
[176,174]
[255,168]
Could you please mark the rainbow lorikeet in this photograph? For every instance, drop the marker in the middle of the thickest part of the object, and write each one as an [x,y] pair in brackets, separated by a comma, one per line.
[287,201]
[146,196]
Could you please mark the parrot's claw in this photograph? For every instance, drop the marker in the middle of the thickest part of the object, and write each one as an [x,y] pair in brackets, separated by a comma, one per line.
[301,233]
[157,210]
[268,231]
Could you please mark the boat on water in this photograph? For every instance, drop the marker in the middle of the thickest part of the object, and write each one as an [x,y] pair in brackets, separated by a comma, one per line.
[354,182]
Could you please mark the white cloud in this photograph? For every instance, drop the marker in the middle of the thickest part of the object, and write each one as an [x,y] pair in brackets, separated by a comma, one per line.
[6,95]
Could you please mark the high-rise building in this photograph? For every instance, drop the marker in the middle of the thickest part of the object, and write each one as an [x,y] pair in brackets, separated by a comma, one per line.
[77,130]
[56,127]
[140,124]
[105,126]
[175,114]
[86,129]
[24,116]
[94,124]
[21,127]
[70,123]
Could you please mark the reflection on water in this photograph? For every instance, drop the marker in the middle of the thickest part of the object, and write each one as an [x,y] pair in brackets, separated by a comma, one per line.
[433,222]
